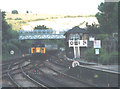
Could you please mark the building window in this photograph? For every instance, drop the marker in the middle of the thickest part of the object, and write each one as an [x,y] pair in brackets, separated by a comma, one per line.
[84,37]
[74,37]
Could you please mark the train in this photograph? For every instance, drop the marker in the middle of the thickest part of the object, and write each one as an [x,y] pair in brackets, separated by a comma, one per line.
[41,50]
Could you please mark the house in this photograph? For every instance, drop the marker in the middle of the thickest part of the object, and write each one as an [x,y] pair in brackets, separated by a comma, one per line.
[76,33]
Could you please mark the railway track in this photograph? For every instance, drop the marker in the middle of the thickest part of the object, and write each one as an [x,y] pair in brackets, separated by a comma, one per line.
[16,82]
[5,64]
[52,78]
[100,81]
[47,76]
[62,63]
[16,69]
[82,83]
[15,64]
[11,77]
[25,74]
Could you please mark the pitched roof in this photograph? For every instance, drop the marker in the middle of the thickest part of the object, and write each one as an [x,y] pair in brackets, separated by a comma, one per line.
[76,29]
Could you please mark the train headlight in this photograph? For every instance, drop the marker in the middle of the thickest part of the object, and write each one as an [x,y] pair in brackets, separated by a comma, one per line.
[37,49]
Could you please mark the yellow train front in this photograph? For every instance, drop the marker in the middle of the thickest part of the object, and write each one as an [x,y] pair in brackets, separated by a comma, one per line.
[41,50]
[38,52]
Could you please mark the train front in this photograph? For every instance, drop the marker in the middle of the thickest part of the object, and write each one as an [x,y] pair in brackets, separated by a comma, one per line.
[38,51]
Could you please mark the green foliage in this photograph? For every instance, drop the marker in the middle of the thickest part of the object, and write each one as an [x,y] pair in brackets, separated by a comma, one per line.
[27,12]
[103,57]
[22,22]
[81,23]
[93,29]
[7,32]
[69,16]
[24,46]
[4,48]
[18,19]
[91,56]
[10,41]
[60,43]
[14,12]
[40,27]
[102,36]
[54,17]
[9,19]
[75,16]
[38,19]
[109,58]
[7,47]
[108,17]
[113,57]
[6,28]
[11,46]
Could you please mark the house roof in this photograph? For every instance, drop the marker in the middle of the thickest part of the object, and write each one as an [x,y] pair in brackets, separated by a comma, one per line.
[76,29]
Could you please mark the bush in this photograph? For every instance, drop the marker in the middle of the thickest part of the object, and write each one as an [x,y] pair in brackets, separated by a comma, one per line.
[113,57]
[12,47]
[9,18]
[15,42]
[22,22]
[13,34]
[60,43]
[91,56]
[41,27]
[18,19]
[104,58]
[6,48]
[38,19]
[102,36]
[14,12]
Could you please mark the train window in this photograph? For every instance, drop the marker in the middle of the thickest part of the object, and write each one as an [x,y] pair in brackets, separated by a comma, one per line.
[32,49]
[42,50]
[37,49]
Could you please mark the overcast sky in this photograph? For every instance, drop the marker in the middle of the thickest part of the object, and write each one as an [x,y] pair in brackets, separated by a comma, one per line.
[52,6]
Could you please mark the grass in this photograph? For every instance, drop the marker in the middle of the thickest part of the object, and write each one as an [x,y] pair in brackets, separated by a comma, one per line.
[6,57]
[21,19]
[18,20]
[16,24]
[30,16]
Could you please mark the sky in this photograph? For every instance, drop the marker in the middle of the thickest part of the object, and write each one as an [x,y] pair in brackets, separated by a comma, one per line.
[52,6]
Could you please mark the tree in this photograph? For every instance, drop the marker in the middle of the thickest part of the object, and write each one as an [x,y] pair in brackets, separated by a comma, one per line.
[27,12]
[93,29]
[5,28]
[108,17]
[10,40]
[14,12]
[40,27]
[7,32]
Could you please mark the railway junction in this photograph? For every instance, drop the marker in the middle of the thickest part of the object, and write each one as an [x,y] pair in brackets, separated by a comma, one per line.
[65,68]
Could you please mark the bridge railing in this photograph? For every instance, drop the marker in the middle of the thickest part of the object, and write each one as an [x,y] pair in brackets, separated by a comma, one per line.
[23,32]
[41,34]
